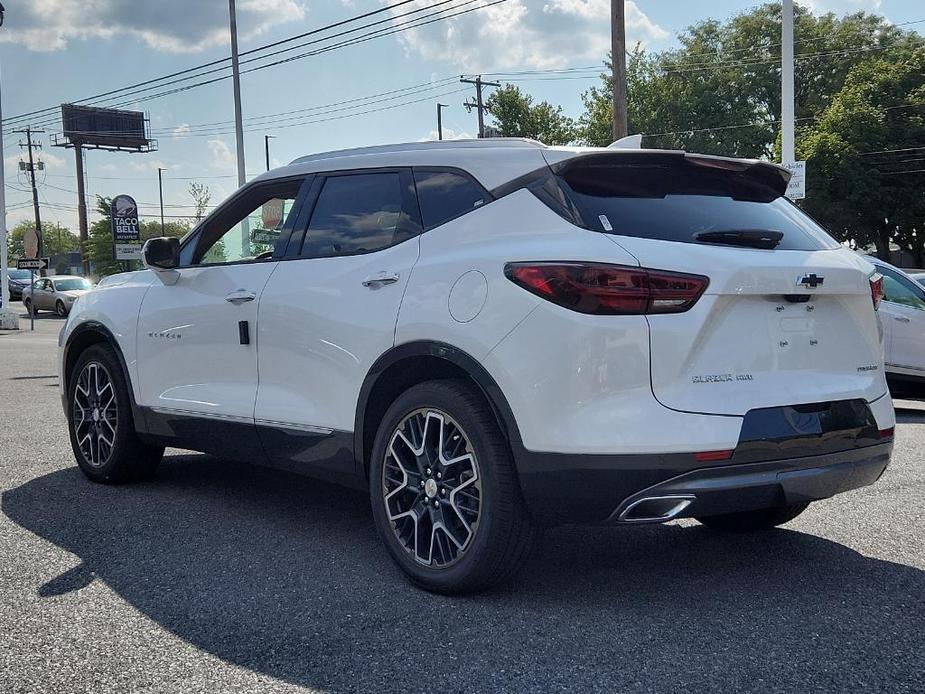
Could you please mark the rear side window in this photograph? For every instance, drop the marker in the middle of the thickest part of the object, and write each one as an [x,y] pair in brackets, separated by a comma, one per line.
[899,290]
[680,201]
[445,195]
[355,213]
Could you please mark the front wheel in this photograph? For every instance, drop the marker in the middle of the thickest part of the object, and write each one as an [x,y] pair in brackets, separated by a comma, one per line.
[750,521]
[445,497]
[60,308]
[100,422]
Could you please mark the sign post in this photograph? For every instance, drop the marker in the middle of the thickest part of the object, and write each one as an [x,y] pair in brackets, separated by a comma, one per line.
[32,264]
[126,238]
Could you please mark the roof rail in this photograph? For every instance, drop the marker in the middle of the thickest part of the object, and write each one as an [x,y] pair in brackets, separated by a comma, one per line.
[486,143]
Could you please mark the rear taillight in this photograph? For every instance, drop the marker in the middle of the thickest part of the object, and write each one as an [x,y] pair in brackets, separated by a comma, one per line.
[602,289]
[876,289]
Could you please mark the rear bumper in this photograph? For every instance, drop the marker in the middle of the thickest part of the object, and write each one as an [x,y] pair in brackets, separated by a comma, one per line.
[733,488]
[613,489]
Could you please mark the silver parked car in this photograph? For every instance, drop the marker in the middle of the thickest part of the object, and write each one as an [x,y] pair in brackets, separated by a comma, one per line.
[56,294]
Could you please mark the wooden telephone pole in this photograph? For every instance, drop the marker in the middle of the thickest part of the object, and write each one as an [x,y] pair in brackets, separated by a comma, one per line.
[618,56]
[479,105]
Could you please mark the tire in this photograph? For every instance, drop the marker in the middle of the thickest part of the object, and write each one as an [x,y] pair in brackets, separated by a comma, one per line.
[100,422]
[60,308]
[28,305]
[751,521]
[474,485]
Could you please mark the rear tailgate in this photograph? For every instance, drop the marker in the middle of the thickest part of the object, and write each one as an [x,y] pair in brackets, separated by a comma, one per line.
[787,317]
[752,341]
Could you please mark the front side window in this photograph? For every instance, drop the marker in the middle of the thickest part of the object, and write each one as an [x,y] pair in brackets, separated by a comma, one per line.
[249,228]
[356,213]
[898,290]
[445,195]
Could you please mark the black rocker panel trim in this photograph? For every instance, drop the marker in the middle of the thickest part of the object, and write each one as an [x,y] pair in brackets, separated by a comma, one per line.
[324,455]
[223,438]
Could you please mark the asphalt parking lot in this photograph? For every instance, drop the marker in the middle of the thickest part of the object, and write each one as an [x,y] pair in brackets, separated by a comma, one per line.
[220,577]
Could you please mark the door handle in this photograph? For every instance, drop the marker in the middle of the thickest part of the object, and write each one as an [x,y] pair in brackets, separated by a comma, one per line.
[240,296]
[901,319]
[380,279]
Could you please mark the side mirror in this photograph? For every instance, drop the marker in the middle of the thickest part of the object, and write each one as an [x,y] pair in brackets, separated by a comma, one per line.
[161,253]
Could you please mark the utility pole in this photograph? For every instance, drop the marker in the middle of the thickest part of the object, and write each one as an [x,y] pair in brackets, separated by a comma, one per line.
[28,131]
[787,149]
[266,147]
[440,108]
[160,190]
[236,80]
[618,57]
[82,210]
[238,124]
[478,105]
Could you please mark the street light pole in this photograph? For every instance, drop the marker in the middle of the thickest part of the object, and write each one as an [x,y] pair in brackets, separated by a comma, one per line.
[440,108]
[266,147]
[160,190]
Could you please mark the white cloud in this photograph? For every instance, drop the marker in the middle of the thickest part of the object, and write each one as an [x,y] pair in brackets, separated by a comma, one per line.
[177,26]
[180,130]
[220,155]
[842,6]
[521,33]
[448,134]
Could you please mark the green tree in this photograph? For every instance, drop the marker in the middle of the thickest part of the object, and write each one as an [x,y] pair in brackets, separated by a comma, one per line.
[56,238]
[202,196]
[719,92]
[100,239]
[515,115]
[865,198]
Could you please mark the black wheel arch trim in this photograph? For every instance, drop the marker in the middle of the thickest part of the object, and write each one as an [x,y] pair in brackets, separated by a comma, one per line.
[110,339]
[455,356]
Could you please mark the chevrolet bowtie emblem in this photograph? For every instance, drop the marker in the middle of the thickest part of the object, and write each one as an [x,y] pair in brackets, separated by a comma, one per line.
[812,280]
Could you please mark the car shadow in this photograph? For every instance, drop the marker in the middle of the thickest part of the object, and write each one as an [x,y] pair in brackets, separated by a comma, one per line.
[286,576]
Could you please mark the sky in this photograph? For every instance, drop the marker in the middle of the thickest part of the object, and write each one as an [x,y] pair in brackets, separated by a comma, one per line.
[383,89]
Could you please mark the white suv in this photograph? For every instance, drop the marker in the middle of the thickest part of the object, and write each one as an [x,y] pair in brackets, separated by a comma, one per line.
[495,336]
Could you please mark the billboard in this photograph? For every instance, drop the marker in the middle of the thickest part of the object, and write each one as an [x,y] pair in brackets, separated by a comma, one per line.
[103,127]
[126,239]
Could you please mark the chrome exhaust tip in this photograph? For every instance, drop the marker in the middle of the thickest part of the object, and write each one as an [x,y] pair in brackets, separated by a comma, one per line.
[655,509]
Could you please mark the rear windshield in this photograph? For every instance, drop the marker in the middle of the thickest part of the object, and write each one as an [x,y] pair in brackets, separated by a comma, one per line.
[679,202]
[20,274]
[70,285]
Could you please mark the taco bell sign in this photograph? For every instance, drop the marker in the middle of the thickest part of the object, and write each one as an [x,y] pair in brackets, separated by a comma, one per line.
[126,239]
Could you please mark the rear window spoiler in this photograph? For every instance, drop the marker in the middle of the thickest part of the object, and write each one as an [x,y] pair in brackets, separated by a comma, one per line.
[749,178]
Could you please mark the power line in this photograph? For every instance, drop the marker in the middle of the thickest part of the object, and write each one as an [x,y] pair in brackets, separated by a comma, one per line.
[211,63]
[411,24]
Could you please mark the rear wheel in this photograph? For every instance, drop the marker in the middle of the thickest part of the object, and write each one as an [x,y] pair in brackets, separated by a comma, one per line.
[749,521]
[444,494]
[29,308]
[101,426]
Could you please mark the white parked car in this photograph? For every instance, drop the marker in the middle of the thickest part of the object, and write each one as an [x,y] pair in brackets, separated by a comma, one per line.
[902,313]
[493,336]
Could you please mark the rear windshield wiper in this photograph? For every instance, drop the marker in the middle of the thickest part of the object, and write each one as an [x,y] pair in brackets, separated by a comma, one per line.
[749,238]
